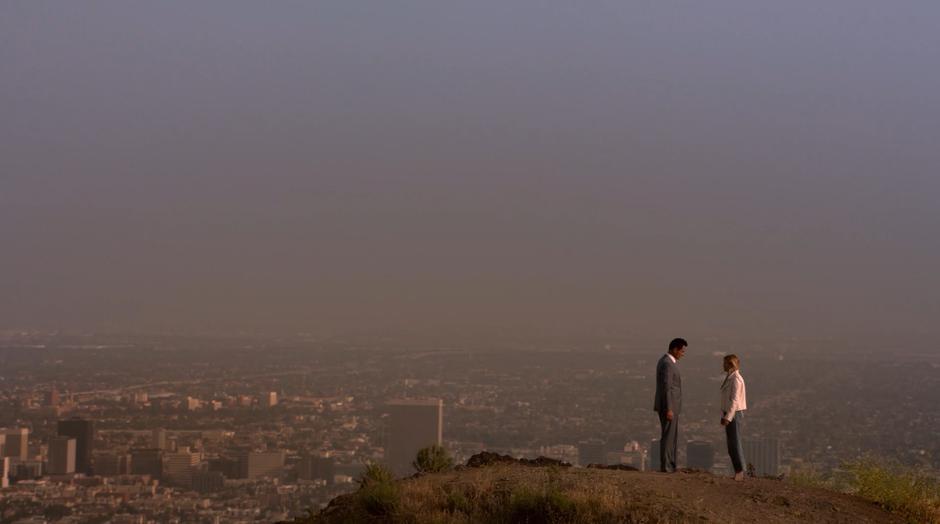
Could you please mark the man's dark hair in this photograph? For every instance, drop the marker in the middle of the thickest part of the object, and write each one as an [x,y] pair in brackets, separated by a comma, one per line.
[677,343]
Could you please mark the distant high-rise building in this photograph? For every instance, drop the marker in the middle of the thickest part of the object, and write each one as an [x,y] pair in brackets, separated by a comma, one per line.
[4,472]
[147,461]
[180,466]
[158,438]
[700,455]
[83,431]
[312,467]
[52,398]
[208,481]
[113,464]
[26,470]
[413,425]
[270,400]
[230,467]
[263,464]
[655,463]
[15,443]
[62,452]
[592,451]
[764,455]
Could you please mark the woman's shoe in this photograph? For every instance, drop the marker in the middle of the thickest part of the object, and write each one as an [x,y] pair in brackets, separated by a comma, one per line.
[739,476]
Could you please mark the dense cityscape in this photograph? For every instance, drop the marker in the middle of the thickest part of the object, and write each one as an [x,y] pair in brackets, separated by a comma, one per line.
[141,429]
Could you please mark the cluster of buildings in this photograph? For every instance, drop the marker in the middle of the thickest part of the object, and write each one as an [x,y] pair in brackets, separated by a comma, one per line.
[163,475]
[79,473]
[222,452]
[198,433]
[66,453]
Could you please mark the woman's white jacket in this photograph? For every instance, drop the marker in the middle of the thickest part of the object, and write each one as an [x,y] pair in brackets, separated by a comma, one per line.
[733,396]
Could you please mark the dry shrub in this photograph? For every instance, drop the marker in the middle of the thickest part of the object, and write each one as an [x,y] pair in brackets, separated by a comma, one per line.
[914,495]
[378,495]
[433,459]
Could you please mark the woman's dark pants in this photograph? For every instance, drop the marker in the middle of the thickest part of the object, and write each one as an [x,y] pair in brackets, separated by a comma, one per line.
[735,447]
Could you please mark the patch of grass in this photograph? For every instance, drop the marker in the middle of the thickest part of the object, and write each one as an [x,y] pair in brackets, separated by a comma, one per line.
[914,495]
[507,494]
[810,478]
[895,488]
[457,502]
[546,507]
[542,498]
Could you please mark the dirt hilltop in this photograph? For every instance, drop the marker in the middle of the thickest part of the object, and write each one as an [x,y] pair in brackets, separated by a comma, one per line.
[500,490]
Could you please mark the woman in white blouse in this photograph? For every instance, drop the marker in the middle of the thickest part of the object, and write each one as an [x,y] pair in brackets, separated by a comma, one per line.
[733,402]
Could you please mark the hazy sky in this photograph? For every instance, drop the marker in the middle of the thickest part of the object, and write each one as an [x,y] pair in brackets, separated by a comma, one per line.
[653,167]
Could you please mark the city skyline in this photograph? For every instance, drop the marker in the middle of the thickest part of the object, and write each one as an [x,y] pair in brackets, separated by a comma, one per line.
[266,429]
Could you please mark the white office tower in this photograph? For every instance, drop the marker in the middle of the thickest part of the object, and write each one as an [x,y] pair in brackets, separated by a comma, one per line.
[412,425]
[270,400]
[62,452]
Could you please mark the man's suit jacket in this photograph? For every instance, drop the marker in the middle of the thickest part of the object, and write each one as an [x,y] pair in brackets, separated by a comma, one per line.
[668,387]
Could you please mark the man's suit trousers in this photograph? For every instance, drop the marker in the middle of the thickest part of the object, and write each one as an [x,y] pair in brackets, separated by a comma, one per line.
[668,442]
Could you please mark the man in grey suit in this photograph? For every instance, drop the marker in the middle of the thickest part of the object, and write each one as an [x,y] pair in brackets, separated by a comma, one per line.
[668,403]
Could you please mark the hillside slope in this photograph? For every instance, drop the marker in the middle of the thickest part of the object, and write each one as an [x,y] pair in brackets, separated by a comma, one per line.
[520,493]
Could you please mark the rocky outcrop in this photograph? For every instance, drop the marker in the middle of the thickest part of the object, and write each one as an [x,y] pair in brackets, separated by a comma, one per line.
[487,458]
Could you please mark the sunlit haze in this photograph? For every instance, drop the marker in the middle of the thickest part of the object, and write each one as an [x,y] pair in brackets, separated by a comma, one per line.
[709,168]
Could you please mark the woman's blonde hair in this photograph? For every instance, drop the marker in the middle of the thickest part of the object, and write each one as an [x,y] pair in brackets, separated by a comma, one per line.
[733,360]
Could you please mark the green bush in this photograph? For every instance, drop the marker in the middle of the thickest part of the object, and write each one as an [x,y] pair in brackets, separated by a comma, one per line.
[379,499]
[378,494]
[433,459]
[375,473]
